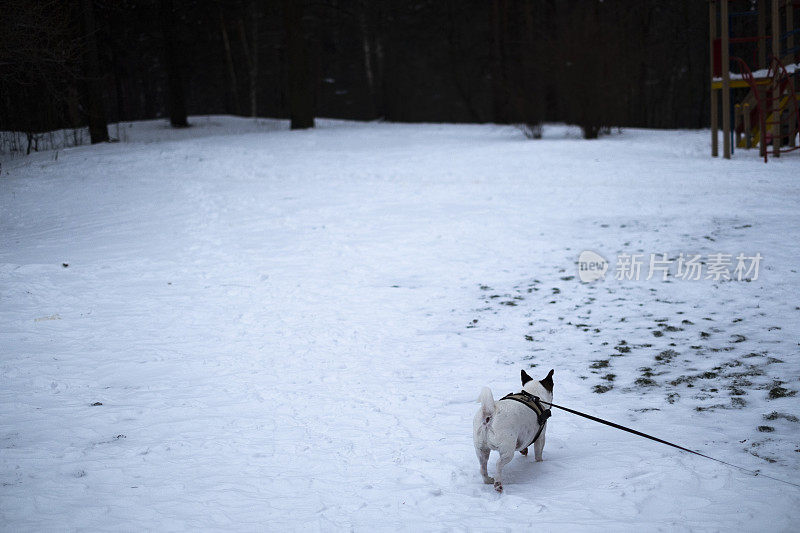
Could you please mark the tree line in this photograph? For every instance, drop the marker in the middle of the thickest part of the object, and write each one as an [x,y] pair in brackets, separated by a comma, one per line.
[595,63]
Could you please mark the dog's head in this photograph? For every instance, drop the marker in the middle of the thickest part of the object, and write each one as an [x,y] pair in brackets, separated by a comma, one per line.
[542,388]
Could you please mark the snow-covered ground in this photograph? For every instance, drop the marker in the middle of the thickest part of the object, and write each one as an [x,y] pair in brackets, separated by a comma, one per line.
[239,327]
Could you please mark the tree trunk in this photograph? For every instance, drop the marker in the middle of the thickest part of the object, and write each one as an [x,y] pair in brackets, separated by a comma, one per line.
[500,96]
[590,131]
[532,92]
[251,54]
[73,112]
[366,48]
[98,127]
[254,43]
[301,85]
[229,62]
[176,99]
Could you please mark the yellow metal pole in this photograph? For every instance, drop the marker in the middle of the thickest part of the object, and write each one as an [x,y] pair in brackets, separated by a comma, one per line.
[762,123]
[762,32]
[790,44]
[790,27]
[737,115]
[776,91]
[712,36]
[726,82]
[748,134]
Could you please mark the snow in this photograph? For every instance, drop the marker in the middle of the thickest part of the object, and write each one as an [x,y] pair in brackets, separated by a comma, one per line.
[761,73]
[280,327]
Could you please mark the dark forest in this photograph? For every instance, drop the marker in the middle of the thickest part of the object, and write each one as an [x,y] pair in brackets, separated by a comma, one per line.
[596,64]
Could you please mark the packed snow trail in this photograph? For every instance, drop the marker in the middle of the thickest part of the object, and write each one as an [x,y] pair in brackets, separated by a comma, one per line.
[289,330]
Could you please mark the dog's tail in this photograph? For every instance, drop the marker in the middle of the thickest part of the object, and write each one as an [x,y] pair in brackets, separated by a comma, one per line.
[487,404]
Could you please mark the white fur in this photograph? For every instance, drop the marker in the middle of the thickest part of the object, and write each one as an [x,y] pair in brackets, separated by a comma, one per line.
[507,426]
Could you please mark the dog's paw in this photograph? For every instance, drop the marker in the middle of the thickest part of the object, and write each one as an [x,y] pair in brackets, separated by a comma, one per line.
[524,451]
[488,480]
[498,486]
[539,459]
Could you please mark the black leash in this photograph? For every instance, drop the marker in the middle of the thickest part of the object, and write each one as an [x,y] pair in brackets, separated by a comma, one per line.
[645,435]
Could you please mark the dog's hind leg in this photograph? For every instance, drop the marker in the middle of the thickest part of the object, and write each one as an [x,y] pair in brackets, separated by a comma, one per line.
[538,447]
[505,458]
[483,459]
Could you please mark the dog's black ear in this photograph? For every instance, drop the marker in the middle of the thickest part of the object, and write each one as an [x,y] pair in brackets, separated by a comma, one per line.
[525,377]
[547,382]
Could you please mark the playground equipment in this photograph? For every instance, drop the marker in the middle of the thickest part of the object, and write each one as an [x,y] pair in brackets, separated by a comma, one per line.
[764,86]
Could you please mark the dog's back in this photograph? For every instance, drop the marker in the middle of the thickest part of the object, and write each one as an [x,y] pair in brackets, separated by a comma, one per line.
[496,424]
[509,426]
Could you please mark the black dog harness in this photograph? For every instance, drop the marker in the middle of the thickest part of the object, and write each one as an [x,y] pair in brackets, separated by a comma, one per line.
[531,401]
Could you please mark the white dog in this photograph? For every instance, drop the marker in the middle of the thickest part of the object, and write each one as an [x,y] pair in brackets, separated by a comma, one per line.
[512,424]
